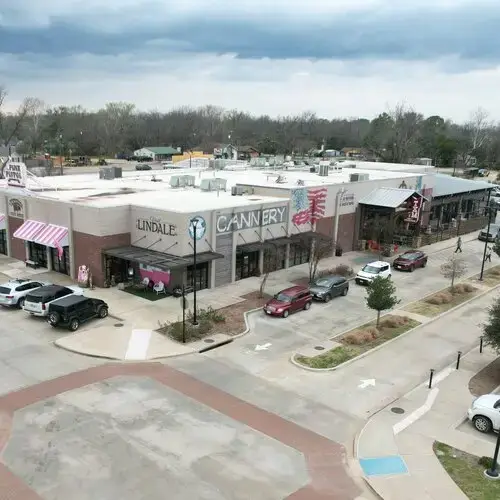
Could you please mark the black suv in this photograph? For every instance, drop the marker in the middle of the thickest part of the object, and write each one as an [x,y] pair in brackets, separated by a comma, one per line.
[73,310]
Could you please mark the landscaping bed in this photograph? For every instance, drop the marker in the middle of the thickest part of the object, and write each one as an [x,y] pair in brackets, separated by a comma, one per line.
[491,277]
[443,300]
[227,320]
[359,341]
[340,270]
[468,472]
[487,380]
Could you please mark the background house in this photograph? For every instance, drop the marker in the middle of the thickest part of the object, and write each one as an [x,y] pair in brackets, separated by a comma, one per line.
[225,151]
[247,153]
[161,153]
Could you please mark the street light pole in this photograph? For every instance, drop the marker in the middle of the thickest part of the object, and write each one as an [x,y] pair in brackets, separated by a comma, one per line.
[488,211]
[493,471]
[194,222]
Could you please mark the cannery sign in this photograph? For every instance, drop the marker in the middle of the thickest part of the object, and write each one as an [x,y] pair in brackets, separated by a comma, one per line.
[227,223]
[156,225]
[415,205]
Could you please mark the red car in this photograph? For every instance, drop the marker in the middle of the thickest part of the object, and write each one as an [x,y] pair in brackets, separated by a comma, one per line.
[288,301]
[409,261]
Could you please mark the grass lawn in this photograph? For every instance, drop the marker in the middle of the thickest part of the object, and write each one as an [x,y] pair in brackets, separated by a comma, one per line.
[347,350]
[467,473]
[425,308]
[147,294]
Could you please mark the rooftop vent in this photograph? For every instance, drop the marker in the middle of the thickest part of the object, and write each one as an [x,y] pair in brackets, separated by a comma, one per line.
[189,179]
[281,179]
[300,182]
[237,190]
[358,177]
[323,170]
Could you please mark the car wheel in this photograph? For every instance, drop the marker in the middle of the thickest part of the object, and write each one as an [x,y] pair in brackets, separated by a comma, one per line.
[345,291]
[328,297]
[424,263]
[482,424]
[411,269]
[103,312]
[285,313]
[53,318]
[307,306]
[74,324]
[20,303]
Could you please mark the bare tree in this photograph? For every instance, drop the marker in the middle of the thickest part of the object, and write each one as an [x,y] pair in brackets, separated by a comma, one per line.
[319,249]
[454,268]
[34,120]
[268,265]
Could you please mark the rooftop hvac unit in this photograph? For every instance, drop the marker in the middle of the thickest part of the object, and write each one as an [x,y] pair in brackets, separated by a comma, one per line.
[358,177]
[177,181]
[107,173]
[219,184]
[206,185]
[189,180]
[323,169]
[237,190]
[117,172]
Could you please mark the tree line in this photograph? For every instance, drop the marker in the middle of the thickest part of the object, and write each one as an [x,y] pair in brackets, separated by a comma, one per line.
[397,135]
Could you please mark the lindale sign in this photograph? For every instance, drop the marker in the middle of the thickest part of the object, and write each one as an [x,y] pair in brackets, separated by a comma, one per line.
[228,223]
[156,225]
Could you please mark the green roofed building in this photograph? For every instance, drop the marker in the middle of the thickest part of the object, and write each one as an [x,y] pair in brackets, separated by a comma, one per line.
[160,153]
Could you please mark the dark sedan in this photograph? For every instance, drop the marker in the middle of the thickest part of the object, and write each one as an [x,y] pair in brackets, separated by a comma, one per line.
[328,287]
[143,167]
[409,261]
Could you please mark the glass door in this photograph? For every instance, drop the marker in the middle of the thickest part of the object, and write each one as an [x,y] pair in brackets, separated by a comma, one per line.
[201,278]
[62,265]
[38,253]
[3,241]
[247,264]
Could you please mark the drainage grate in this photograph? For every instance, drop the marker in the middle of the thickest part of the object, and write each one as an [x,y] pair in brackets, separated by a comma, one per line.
[397,410]
[209,341]
[319,348]
[118,325]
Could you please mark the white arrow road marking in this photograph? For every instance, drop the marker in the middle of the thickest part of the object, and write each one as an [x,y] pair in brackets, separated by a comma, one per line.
[263,347]
[365,383]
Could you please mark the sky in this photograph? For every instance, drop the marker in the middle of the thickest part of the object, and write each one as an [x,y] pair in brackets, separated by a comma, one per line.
[337,58]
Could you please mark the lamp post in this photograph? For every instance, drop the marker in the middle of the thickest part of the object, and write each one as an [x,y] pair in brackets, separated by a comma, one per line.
[493,471]
[194,223]
[60,154]
[488,211]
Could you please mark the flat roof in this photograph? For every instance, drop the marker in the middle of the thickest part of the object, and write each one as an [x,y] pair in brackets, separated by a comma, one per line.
[137,189]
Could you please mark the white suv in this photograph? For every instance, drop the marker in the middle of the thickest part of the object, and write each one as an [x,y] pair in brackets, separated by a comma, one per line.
[372,270]
[37,301]
[13,293]
[484,413]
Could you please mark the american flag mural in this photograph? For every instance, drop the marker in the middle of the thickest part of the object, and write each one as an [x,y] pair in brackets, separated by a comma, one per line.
[308,205]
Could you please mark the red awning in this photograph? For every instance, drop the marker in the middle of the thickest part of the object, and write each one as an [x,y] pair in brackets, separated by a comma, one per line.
[53,236]
[29,230]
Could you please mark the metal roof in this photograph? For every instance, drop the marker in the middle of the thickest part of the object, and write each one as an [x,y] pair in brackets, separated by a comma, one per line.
[387,197]
[446,185]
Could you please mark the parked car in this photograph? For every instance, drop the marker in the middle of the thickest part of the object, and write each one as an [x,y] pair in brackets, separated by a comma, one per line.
[14,291]
[372,270]
[409,261]
[328,287]
[167,164]
[37,302]
[492,235]
[288,301]
[484,413]
[143,166]
[73,310]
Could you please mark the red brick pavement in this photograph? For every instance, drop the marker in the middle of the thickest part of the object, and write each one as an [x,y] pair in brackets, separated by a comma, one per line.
[324,458]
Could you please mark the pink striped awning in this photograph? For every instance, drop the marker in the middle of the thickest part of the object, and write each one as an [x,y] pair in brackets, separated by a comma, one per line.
[2,222]
[53,236]
[29,230]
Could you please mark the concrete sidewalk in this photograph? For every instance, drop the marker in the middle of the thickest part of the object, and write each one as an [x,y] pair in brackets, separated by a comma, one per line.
[395,448]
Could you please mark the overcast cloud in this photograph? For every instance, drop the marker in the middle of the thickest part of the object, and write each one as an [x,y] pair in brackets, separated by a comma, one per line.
[352,58]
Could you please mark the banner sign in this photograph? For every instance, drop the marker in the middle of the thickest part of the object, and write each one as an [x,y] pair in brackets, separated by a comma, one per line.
[16,174]
[415,204]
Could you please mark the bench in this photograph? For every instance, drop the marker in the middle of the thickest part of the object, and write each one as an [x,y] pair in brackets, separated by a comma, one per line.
[31,263]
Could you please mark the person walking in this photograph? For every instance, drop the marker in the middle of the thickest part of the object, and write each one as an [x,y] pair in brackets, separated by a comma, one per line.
[487,257]
[459,245]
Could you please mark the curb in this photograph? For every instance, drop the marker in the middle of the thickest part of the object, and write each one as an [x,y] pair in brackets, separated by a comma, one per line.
[375,349]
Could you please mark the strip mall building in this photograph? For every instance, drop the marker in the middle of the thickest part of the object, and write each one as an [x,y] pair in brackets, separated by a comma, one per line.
[141,224]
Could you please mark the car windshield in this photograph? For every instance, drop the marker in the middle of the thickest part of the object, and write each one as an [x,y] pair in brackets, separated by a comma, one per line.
[497,405]
[371,269]
[410,256]
[4,290]
[282,297]
[323,282]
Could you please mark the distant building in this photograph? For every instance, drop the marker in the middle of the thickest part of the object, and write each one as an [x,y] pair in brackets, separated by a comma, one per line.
[226,152]
[247,153]
[158,153]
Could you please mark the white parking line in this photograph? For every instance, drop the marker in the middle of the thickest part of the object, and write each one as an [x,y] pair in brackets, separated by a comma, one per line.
[418,413]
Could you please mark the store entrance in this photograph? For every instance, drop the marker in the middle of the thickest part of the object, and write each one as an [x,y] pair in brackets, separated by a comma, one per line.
[38,253]
[3,242]
[61,265]
[201,278]
[247,264]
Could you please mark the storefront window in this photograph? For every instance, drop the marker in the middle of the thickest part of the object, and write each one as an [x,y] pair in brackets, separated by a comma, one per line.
[3,241]
[60,265]
[38,253]
[247,265]
[299,254]
[201,279]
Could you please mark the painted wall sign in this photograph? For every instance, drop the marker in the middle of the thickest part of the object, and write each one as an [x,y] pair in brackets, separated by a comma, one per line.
[227,223]
[308,205]
[16,174]
[347,200]
[16,208]
[197,227]
[414,205]
[156,225]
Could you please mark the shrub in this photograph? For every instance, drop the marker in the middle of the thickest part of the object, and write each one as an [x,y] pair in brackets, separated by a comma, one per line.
[458,289]
[343,270]
[360,337]
[394,321]
[486,462]
[440,298]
